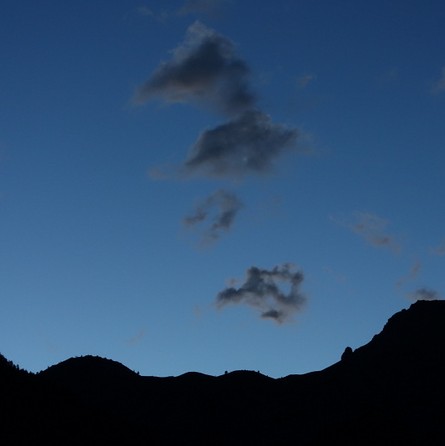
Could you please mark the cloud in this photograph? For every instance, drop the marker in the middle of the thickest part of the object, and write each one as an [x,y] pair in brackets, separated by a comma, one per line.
[136,339]
[412,274]
[227,206]
[373,229]
[204,69]
[424,294]
[261,291]
[247,144]
[209,7]
[439,85]
[305,80]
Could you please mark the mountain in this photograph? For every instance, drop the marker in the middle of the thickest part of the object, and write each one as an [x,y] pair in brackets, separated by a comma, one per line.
[390,391]
[87,368]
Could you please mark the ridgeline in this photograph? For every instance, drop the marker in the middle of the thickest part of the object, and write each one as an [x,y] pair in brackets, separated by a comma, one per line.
[390,391]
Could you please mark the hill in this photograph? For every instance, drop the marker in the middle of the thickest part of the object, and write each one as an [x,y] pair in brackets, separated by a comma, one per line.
[389,391]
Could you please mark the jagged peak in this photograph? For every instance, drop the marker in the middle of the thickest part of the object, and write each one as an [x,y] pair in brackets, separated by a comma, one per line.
[421,317]
[408,336]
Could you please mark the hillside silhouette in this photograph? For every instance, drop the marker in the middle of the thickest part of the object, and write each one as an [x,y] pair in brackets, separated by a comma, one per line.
[390,391]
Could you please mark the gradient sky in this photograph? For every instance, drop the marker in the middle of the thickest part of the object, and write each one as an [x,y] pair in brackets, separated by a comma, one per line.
[217,185]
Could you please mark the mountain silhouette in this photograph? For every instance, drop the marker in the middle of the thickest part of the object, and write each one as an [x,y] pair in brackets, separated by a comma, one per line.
[390,391]
[89,367]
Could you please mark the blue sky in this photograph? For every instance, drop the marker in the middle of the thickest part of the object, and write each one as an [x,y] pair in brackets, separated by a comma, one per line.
[217,185]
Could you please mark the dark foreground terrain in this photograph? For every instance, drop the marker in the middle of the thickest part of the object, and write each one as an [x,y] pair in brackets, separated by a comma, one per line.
[391,391]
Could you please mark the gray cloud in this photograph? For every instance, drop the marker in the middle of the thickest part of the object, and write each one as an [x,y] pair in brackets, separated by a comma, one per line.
[261,291]
[412,274]
[227,206]
[372,228]
[439,85]
[305,80]
[247,144]
[204,68]
[136,339]
[424,294]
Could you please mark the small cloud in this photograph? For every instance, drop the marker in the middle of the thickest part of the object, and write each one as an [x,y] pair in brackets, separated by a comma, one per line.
[203,69]
[248,144]
[424,294]
[412,274]
[439,85]
[371,228]
[207,7]
[136,339]
[227,206]
[305,80]
[261,291]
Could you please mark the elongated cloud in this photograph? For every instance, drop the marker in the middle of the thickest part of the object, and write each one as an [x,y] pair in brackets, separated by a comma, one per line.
[136,339]
[261,291]
[412,274]
[247,144]
[224,206]
[204,68]
[305,80]
[424,294]
[371,228]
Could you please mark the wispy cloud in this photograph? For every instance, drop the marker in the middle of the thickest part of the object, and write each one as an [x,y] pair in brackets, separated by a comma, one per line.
[412,274]
[424,294]
[221,208]
[439,85]
[136,339]
[204,68]
[372,228]
[305,80]
[261,291]
[248,144]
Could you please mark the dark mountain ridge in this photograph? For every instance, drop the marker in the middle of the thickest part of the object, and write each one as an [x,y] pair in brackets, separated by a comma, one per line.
[89,366]
[389,391]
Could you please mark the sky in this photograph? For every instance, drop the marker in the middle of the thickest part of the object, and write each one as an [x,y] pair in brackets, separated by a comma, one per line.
[217,185]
